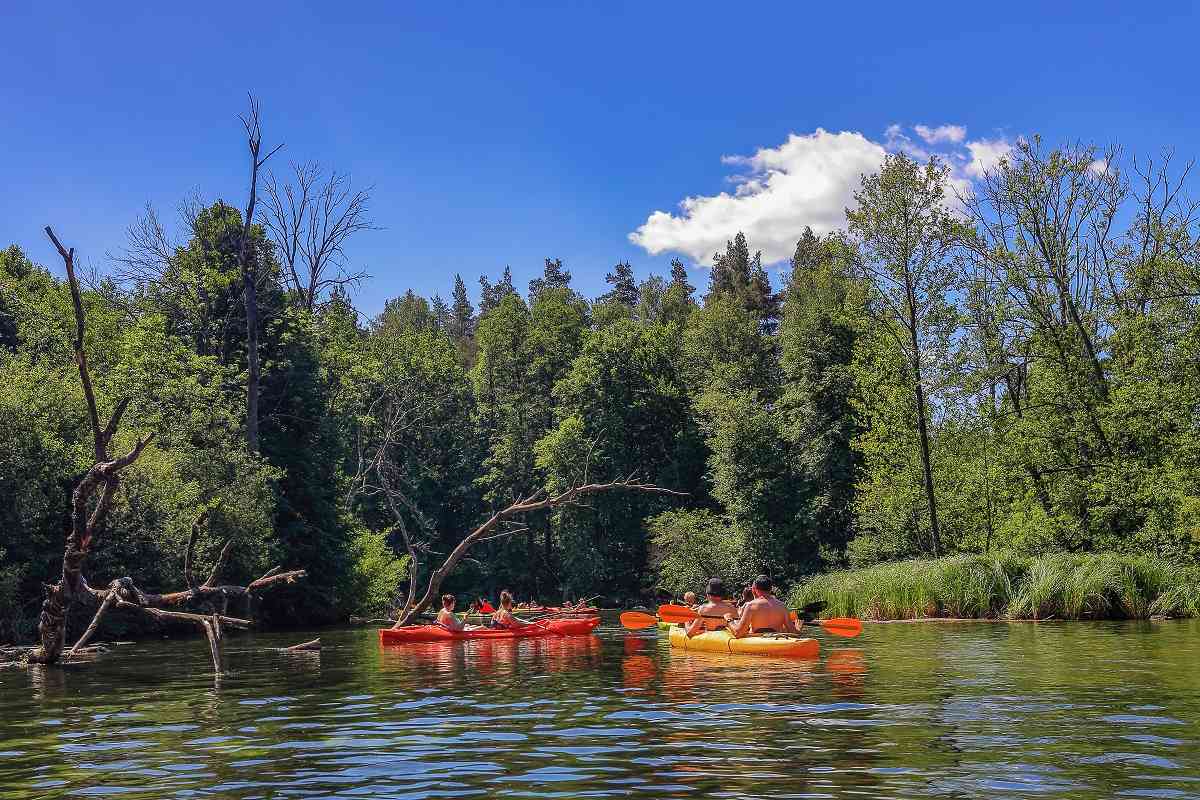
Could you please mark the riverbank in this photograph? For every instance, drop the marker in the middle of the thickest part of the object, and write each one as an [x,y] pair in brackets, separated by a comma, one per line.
[1006,586]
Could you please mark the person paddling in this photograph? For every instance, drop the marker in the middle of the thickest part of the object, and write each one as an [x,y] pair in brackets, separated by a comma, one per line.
[763,614]
[718,605]
[504,618]
[446,617]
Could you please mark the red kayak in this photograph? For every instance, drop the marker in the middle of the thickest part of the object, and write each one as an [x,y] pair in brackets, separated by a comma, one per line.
[436,633]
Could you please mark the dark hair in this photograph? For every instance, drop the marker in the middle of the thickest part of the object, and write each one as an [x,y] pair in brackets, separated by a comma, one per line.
[447,599]
[506,595]
[716,588]
[747,595]
[763,583]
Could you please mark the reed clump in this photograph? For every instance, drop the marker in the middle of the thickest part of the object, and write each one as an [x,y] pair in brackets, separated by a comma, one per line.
[1007,586]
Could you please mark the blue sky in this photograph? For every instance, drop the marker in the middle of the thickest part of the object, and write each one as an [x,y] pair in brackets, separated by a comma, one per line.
[503,133]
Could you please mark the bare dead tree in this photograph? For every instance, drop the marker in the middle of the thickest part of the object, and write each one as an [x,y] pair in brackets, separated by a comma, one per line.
[87,517]
[309,218]
[123,594]
[493,528]
[249,268]
[400,408]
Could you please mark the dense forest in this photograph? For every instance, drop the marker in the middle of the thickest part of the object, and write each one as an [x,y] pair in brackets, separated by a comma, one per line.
[1017,370]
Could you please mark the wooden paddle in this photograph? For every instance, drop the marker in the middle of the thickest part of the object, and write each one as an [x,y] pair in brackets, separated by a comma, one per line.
[839,626]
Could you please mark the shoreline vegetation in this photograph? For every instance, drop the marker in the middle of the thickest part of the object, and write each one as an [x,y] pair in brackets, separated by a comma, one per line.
[1014,371]
[1007,587]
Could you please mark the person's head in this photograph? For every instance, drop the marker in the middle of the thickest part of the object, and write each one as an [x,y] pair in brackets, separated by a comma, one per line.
[448,602]
[747,594]
[762,586]
[689,598]
[506,599]
[716,590]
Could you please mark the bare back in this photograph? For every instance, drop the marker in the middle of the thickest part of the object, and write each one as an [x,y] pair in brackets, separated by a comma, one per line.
[762,614]
[707,622]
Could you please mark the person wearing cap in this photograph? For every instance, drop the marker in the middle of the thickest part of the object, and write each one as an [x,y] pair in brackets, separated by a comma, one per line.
[763,614]
[718,606]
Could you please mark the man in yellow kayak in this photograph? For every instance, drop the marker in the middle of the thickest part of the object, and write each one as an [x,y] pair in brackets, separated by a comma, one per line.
[717,606]
[763,614]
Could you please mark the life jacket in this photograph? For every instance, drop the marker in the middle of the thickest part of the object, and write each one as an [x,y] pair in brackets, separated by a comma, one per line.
[486,607]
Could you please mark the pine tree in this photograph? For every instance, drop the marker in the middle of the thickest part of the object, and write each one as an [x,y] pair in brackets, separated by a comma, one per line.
[625,290]
[493,294]
[742,278]
[440,312]
[462,313]
[553,277]
[679,277]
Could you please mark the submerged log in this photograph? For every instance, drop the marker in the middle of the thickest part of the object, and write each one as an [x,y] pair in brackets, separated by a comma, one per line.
[303,647]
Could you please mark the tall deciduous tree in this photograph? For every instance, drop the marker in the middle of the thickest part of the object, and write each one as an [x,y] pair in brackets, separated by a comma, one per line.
[904,237]
[310,216]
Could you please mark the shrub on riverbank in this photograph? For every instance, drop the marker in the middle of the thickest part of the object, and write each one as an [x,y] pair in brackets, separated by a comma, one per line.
[1060,586]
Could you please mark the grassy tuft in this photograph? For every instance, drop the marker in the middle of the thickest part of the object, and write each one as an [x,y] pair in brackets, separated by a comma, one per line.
[1060,586]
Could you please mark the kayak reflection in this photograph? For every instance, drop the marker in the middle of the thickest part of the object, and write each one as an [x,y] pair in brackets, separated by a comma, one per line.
[483,661]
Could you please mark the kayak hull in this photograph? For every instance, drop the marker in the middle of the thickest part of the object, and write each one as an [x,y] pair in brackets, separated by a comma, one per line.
[436,633]
[722,642]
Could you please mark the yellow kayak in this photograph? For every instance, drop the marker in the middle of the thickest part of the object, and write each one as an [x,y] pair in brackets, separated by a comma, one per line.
[722,642]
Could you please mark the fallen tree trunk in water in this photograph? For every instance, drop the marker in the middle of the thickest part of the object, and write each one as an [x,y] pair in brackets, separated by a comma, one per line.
[488,530]
[87,519]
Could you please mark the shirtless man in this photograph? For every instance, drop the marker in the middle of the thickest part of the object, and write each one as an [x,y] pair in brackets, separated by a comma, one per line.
[717,606]
[446,617]
[763,614]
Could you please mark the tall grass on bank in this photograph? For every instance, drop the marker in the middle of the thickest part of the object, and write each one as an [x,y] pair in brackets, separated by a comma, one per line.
[1059,586]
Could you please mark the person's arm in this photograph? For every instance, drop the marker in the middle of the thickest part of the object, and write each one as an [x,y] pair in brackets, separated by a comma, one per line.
[694,627]
[739,626]
[448,621]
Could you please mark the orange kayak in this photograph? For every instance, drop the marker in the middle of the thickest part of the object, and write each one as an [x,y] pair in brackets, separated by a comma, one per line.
[436,633]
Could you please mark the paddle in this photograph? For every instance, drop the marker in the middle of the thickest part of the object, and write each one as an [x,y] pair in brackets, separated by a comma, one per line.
[637,620]
[839,626]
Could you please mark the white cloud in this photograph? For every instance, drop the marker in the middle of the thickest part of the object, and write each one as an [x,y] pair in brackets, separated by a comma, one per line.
[942,133]
[985,154]
[808,180]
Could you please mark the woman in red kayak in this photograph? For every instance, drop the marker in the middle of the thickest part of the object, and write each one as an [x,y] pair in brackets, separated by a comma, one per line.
[504,618]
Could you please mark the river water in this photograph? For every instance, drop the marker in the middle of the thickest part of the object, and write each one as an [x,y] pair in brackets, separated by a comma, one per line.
[906,711]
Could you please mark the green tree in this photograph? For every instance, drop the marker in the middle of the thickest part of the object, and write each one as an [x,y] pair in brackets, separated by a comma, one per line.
[823,314]
[903,237]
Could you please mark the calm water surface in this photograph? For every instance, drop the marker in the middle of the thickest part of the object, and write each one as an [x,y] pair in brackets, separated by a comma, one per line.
[1070,710]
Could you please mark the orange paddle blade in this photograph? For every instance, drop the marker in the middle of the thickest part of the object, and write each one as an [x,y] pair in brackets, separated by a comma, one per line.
[842,626]
[670,613]
[636,620]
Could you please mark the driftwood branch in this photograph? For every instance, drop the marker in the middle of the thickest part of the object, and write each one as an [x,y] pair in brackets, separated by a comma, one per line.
[123,594]
[539,501]
[303,647]
[103,476]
